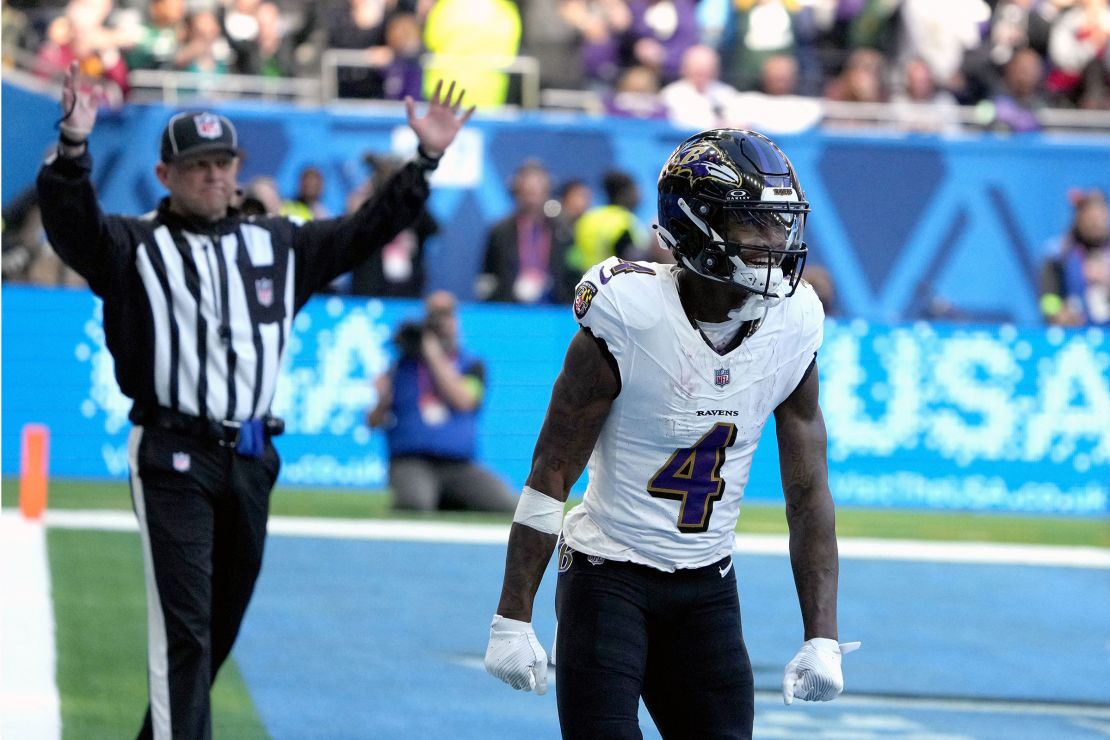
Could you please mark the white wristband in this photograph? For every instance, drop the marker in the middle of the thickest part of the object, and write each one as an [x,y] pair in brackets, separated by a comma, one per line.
[539,511]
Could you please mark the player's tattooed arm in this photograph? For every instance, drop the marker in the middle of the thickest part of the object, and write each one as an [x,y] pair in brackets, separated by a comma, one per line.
[580,403]
[810,513]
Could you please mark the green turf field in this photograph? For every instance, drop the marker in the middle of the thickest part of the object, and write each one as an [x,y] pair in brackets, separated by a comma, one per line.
[764,518]
[100,601]
[100,628]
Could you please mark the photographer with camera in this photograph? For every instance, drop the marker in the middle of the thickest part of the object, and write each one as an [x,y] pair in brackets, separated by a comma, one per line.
[428,405]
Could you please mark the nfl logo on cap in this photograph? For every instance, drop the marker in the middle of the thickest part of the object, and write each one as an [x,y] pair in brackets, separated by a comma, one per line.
[208,126]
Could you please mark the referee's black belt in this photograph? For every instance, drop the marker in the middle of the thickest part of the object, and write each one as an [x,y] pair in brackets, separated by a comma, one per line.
[225,432]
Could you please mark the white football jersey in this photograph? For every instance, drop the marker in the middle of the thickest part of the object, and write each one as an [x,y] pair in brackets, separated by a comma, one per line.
[670,466]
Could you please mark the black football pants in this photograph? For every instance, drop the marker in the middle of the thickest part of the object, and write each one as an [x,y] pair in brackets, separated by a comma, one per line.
[627,631]
[202,514]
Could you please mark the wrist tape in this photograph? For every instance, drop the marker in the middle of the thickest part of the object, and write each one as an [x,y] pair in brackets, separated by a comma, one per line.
[539,511]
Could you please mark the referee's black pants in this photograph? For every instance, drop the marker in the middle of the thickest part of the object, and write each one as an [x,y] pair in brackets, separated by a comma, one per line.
[202,512]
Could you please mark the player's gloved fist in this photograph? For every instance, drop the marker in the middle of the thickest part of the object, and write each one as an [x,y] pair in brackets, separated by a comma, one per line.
[515,656]
[814,673]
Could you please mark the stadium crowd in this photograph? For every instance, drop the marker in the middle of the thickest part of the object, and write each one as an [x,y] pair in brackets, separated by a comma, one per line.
[770,65]
[652,58]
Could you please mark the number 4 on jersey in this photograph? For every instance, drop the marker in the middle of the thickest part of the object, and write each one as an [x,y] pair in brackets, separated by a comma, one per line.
[692,476]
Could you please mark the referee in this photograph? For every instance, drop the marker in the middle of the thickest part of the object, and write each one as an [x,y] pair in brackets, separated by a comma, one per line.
[198,305]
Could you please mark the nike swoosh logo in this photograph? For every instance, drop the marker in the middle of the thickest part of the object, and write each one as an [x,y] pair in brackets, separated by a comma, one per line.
[724,571]
[601,276]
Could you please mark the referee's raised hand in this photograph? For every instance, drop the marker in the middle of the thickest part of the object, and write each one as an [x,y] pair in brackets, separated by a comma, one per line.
[436,129]
[78,108]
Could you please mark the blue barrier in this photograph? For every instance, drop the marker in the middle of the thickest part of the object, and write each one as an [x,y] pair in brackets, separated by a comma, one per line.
[902,222]
[919,415]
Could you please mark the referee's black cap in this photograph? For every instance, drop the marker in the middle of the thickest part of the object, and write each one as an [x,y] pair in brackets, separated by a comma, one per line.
[192,134]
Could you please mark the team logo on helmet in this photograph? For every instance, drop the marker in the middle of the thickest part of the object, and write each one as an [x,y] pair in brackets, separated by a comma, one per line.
[583,297]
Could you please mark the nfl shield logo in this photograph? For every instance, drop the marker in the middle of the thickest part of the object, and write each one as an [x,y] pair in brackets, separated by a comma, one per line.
[721,377]
[264,291]
[181,462]
[208,126]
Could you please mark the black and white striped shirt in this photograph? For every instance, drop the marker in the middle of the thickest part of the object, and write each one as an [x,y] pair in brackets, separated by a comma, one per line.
[197,315]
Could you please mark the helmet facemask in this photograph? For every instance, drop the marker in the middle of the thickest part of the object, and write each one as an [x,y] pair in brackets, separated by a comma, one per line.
[757,247]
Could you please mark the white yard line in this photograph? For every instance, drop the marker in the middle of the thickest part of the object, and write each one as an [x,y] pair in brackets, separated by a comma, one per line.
[903,702]
[753,544]
[29,703]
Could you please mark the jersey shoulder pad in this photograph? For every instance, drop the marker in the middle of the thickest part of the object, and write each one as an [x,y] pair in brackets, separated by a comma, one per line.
[630,289]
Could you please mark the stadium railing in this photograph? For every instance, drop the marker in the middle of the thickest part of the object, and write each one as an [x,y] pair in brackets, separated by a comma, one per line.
[527,68]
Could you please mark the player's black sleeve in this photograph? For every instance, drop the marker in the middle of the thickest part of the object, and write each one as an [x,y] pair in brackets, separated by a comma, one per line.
[805,375]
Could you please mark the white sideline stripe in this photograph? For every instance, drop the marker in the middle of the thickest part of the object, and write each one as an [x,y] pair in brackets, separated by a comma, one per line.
[983,706]
[750,544]
[29,703]
[900,702]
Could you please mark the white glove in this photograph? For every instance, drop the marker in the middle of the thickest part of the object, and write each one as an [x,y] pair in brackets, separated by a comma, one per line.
[814,674]
[515,656]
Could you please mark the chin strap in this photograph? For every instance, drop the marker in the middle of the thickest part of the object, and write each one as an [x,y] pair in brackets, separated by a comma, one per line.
[754,309]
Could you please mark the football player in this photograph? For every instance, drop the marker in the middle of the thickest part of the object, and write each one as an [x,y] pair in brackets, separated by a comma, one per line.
[665,391]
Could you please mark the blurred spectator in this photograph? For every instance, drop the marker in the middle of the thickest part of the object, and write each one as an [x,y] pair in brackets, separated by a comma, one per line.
[1077,49]
[601,25]
[609,230]
[1015,106]
[755,30]
[636,95]
[240,20]
[861,80]
[261,197]
[660,33]
[553,41]
[272,51]
[940,32]
[525,257]
[204,48]
[403,75]
[473,37]
[920,107]
[398,269]
[80,34]
[362,27]
[777,108]
[428,404]
[699,100]
[18,35]
[1016,24]
[1075,280]
[156,39]
[306,204]
[27,255]
[575,198]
